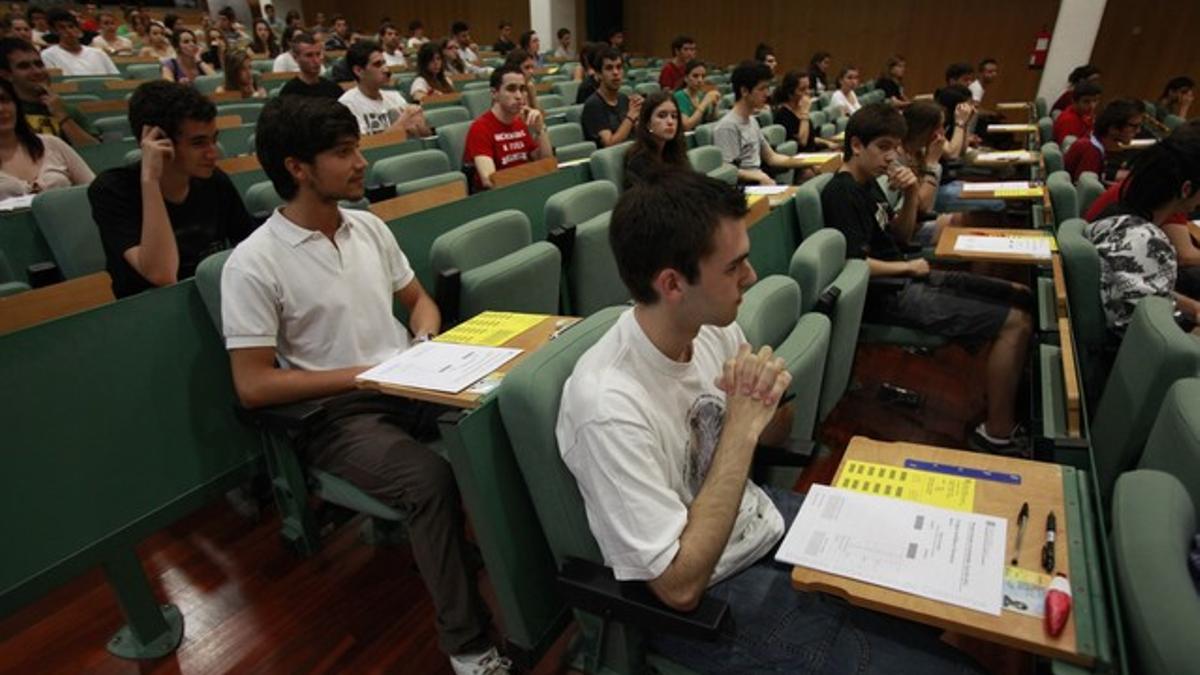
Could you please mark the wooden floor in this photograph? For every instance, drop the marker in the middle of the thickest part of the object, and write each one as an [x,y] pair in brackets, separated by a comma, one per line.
[252,607]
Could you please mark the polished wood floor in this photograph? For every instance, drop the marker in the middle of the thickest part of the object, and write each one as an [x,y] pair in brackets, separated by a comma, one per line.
[253,607]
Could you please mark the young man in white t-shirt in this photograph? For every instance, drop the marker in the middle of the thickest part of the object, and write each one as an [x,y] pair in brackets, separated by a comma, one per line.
[659,423]
[989,70]
[71,55]
[389,42]
[378,110]
[312,289]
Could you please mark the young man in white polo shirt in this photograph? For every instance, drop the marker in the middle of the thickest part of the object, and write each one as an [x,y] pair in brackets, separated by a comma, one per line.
[313,288]
[378,110]
[659,423]
[70,54]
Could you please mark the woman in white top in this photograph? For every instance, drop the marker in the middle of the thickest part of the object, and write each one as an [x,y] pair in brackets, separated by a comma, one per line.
[431,77]
[844,99]
[157,44]
[29,162]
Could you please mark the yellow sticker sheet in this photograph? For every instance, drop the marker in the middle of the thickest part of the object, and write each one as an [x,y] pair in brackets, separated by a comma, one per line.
[926,487]
[491,329]
[1020,192]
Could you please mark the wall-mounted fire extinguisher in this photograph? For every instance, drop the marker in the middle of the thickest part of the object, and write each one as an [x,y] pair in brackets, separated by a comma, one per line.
[1041,46]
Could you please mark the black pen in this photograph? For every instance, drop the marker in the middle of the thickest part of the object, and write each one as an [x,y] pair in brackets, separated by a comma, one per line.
[1048,547]
[1022,519]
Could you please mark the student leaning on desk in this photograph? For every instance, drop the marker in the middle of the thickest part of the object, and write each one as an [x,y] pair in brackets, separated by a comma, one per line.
[313,288]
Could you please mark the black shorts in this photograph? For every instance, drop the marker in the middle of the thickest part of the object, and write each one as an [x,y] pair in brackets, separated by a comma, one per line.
[957,305]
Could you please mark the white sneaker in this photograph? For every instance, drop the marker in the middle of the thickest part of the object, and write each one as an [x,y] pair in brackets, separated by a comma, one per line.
[482,663]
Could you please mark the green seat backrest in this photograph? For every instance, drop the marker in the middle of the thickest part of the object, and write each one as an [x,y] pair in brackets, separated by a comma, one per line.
[567,90]
[775,134]
[529,399]
[574,151]
[113,128]
[817,119]
[841,123]
[144,71]
[207,84]
[64,217]
[452,139]
[1045,129]
[477,101]
[263,65]
[593,281]
[440,117]
[1155,353]
[1068,141]
[565,134]
[1040,107]
[249,112]
[818,265]
[705,158]
[426,182]
[1173,121]
[1081,267]
[1154,522]
[1052,157]
[647,88]
[704,134]
[1174,443]
[827,130]
[208,283]
[1088,189]
[475,86]
[261,199]
[547,101]
[609,164]
[769,310]
[523,281]
[407,167]
[579,203]
[574,112]
[808,205]
[480,241]
[95,85]
[1062,196]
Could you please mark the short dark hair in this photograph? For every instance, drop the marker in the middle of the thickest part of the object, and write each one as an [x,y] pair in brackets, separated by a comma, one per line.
[458,27]
[415,24]
[679,42]
[497,77]
[166,105]
[762,51]
[1081,73]
[303,38]
[787,87]
[169,20]
[605,53]
[228,13]
[359,54]
[747,75]
[517,58]
[921,119]
[1177,84]
[301,127]
[1087,88]
[504,23]
[9,45]
[1116,114]
[59,15]
[525,38]
[383,27]
[818,57]
[1159,172]
[668,222]
[957,70]
[950,96]
[338,17]
[562,32]
[31,10]
[988,61]
[877,120]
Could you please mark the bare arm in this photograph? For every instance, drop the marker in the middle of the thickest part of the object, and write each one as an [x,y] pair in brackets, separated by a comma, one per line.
[1187,253]
[610,138]
[156,257]
[423,315]
[756,382]
[259,383]
[917,267]
[76,135]
[485,167]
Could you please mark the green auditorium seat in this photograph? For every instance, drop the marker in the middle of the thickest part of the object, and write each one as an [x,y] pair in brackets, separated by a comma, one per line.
[1067,142]
[1154,525]
[1045,129]
[593,281]
[1081,271]
[1088,188]
[704,133]
[574,113]
[1063,198]
[249,112]
[207,84]
[609,164]
[647,88]
[1041,109]
[113,128]
[490,263]
[567,90]
[1174,443]
[775,134]
[10,283]
[551,101]
[567,141]
[477,101]
[579,203]
[452,139]
[412,172]
[440,117]
[64,217]
[707,159]
[144,71]
[1052,157]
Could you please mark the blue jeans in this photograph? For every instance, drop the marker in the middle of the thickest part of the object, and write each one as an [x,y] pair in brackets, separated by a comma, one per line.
[777,629]
[949,199]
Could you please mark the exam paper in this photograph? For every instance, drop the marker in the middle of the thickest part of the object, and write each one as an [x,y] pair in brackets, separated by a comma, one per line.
[439,366]
[813,158]
[1006,156]
[17,203]
[949,556]
[1034,247]
[996,185]
[766,189]
[992,128]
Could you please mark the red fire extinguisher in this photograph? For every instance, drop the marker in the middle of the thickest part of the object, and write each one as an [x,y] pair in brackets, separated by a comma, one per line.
[1041,46]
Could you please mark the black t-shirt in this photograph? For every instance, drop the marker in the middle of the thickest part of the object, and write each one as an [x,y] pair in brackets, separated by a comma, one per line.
[861,213]
[890,87]
[599,115]
[209,220]
[324,87]
[586,89]
[503,47]
[784,116]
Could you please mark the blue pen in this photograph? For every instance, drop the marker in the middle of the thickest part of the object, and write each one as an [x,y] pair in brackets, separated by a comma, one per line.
[964,471]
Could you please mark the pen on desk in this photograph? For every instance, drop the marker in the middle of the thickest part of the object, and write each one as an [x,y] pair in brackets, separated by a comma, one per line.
[1022,519]
[1048,547]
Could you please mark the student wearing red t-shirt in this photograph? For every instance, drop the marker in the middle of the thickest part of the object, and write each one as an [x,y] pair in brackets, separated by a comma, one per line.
[1088,72]
[683,49]
[1077,120]
[510,133]
[1116,126]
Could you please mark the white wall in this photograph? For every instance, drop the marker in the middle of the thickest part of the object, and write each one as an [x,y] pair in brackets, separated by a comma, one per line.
[1075,33]
[547,16]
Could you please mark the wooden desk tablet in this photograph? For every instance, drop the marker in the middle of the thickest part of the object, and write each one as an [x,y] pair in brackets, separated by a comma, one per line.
[421,200]
[225,96]
[1034,193]
[949,239]
[543,87]
[524,172]
[760,206]
[530,341]
[50,302]
[1046,487]
[125,60]
[1060,284]
[1007,158]
[228,121]
[1012,129]
[276,77]
[124,85]
[393,137]
[463,77]
[1070,375]
[117,106]
[64,87]
[440,99]
[1013,106]
[236,165]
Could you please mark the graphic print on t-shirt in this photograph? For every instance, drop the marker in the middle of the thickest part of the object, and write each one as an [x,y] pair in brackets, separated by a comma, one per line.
[378,122]
[511,152]
[705,419]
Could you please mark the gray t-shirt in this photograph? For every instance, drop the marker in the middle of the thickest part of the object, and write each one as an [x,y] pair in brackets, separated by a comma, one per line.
[739,140]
